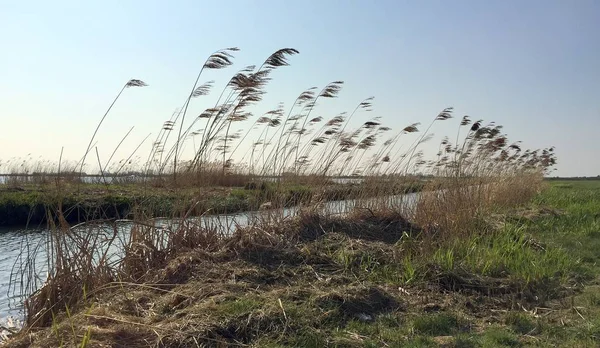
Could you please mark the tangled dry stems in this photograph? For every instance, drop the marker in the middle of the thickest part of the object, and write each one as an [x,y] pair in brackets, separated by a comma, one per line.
[467,180]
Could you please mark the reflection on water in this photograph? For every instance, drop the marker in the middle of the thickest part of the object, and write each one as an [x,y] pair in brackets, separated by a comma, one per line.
[15,247]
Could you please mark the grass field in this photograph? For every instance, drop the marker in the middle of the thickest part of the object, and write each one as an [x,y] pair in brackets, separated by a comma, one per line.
[525,276]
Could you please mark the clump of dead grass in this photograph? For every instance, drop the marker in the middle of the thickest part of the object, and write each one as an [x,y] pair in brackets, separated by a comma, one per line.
[203,287]
[270,282]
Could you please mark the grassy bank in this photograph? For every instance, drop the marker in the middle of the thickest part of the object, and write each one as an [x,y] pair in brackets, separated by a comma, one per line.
[461,258]
[24,204]
[520,276]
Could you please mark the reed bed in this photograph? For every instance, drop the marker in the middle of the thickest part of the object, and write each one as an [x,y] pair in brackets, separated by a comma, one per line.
[477,174]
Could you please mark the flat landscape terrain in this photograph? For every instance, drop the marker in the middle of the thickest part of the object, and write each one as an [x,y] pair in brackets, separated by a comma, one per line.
[384,174]
[521,276]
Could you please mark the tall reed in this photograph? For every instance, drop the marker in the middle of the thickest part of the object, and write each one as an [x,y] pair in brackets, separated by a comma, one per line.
[476,174]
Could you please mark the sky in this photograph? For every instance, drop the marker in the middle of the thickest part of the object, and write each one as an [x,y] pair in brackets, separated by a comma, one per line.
[532,66]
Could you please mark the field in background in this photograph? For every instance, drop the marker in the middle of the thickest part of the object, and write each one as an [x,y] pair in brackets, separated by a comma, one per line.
[26,200]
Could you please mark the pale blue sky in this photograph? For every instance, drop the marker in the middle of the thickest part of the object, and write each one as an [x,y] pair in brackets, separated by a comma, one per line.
[533,66]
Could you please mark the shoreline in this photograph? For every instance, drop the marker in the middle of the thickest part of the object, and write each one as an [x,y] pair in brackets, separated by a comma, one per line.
[27,205]
[361,281]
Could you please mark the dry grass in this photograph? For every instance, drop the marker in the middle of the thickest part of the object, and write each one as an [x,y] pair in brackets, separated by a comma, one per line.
[279,282]
[479,174]
[454,207]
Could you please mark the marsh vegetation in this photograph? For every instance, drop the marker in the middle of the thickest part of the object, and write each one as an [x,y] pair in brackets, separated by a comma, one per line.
[470,251]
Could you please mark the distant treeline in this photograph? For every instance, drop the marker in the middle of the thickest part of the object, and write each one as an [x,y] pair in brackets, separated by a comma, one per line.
[574,178]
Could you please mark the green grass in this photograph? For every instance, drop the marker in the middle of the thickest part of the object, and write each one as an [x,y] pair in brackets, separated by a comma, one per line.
[548,259]
[442,324]
[498,337]
[577,229]
[552,256]
[239,306]
[533,280]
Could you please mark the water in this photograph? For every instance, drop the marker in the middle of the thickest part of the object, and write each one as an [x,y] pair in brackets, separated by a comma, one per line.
[97,179]
[19,247]
[14,246]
